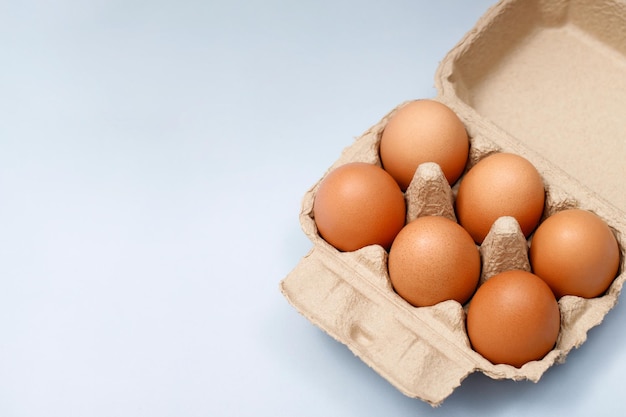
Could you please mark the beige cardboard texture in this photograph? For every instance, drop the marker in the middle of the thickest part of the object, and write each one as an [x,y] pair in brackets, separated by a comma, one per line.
[543,79]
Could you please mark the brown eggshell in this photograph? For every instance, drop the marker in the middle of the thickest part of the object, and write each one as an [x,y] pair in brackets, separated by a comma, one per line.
[513,318]
[359,204]
[424,131]
[433,259]
[576,253]
[502,184]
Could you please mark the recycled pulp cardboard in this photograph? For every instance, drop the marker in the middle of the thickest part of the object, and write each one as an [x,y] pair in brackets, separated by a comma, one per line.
[543,79]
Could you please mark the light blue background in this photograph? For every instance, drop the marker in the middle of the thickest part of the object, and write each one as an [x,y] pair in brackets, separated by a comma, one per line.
[153,156]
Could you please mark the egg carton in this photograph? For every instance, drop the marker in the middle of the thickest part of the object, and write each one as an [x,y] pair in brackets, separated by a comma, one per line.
[541,79]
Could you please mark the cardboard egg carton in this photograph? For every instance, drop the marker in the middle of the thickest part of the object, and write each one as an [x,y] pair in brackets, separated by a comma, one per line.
[542,79]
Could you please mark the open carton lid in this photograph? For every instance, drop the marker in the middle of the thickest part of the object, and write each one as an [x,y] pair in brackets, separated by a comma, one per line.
[551,76]
[542,79]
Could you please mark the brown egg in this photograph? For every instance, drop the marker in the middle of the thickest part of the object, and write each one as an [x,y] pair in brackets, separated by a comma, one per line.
[513,318]
[359,204]
[502,184]
[433,259]
[424,131]
[575,253]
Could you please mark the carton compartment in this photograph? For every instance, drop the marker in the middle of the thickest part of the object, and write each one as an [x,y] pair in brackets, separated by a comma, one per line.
[551,74]
[424,352]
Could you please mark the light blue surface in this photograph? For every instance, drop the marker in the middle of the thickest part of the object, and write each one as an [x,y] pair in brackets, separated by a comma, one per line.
[153,156]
